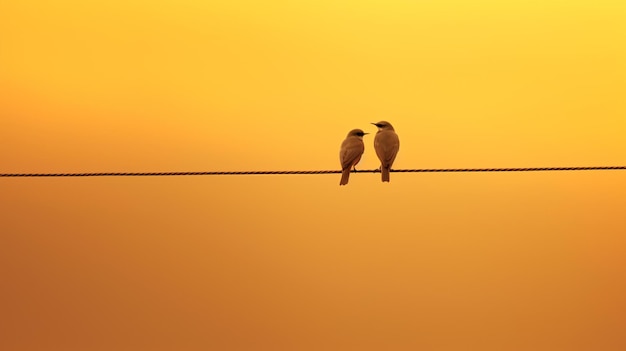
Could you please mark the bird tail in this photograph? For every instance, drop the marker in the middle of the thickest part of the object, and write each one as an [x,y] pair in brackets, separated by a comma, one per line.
[385,174]
[345,176]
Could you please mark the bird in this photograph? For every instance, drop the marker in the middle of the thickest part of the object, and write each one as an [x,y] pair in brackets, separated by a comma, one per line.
[386,144]
[350,153]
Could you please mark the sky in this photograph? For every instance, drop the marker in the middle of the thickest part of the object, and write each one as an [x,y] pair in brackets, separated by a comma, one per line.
[486,261]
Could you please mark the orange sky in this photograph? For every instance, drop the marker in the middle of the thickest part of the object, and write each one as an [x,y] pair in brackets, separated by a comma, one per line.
[524,261]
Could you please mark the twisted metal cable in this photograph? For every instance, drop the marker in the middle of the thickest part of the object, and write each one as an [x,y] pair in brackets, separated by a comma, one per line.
[424,170]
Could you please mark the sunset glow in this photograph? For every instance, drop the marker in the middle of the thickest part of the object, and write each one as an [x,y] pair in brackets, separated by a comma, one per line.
[509,261]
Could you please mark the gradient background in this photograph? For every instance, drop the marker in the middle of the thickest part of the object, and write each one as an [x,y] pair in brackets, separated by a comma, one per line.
[512,261]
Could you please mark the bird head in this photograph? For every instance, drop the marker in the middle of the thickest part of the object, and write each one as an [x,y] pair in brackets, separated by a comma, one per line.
[357,132]
[383,125]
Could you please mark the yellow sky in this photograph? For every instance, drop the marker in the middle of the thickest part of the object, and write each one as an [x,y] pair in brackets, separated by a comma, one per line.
[428,261]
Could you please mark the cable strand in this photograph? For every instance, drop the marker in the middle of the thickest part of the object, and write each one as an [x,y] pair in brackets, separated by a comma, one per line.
[210,173]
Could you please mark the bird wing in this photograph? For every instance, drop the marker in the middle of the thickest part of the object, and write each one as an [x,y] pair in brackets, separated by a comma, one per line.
[387,145]
[351,151]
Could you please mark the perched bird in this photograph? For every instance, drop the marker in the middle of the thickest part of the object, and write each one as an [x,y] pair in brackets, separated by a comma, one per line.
[350,153]
[386,144]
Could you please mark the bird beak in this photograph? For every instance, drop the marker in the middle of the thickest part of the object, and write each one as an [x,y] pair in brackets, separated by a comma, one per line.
[365,133]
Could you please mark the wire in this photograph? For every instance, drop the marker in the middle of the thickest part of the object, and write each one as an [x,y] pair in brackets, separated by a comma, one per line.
[425,170]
